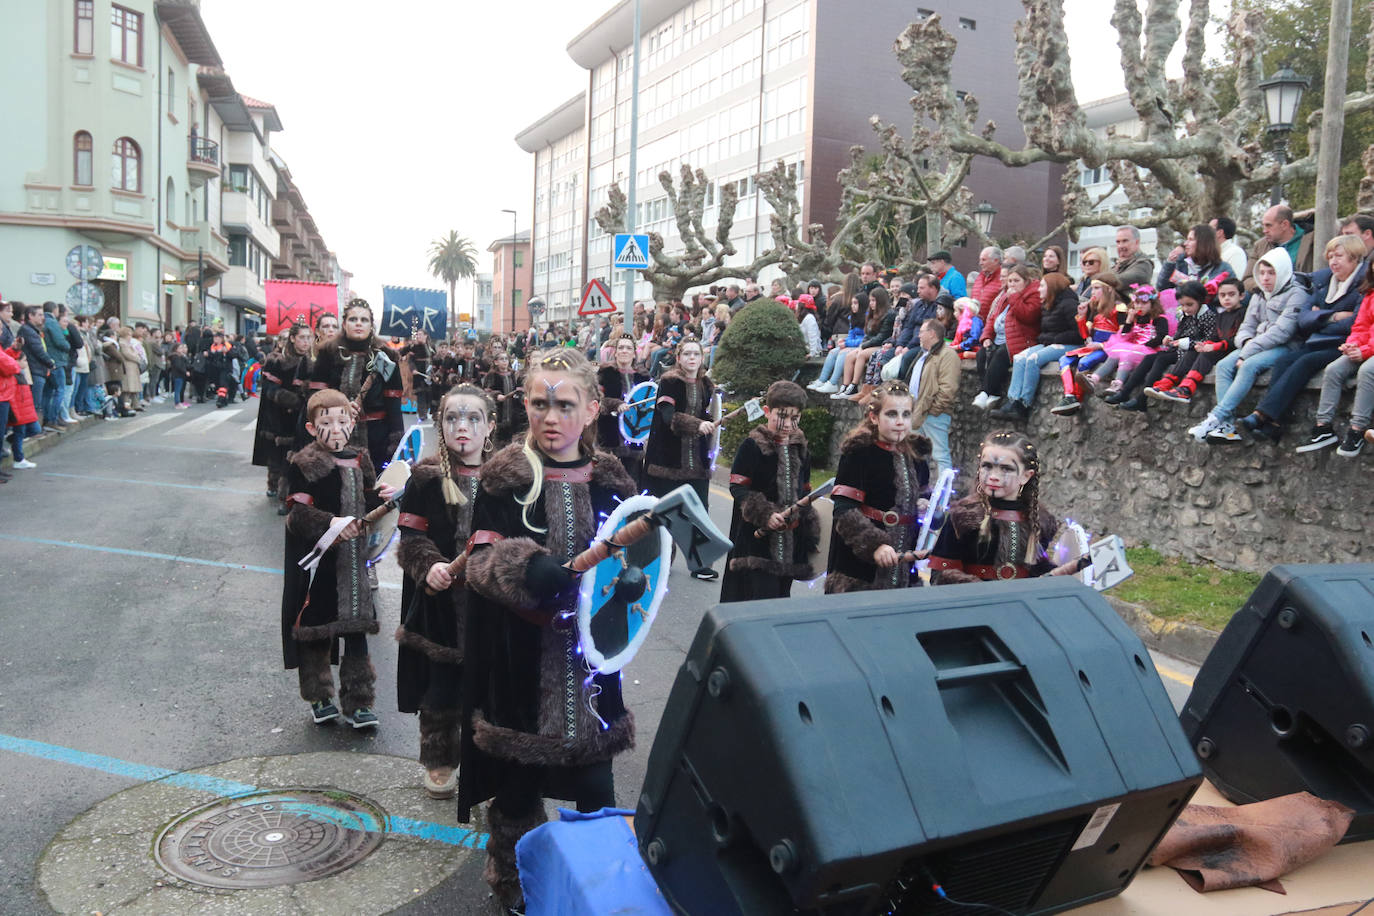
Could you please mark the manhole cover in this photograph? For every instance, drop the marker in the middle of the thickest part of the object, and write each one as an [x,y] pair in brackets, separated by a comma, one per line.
[286,836]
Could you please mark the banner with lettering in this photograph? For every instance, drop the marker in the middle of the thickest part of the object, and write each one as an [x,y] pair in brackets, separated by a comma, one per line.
[405,308]
[289,301]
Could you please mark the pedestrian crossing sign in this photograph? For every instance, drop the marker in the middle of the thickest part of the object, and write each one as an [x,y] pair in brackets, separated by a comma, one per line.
[631,251]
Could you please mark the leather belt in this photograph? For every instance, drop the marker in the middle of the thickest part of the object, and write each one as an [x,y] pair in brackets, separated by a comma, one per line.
[379,415]
[413,521]
[889,517]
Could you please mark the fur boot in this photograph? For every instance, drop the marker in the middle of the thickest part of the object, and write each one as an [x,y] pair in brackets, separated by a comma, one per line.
[357,683]
[317,680]
[501,872]
[438,738]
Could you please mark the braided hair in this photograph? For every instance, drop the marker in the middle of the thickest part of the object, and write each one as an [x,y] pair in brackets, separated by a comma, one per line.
[575,364]
[452,495]
[1020,443]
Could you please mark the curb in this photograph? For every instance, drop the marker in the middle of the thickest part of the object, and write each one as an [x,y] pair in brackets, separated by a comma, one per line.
[37,447]
[1187,641]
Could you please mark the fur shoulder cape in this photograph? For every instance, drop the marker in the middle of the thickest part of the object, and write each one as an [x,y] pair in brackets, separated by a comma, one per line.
[862,438]
[675,372]
[509,469]
[429,469]
[763,438]
[317,463]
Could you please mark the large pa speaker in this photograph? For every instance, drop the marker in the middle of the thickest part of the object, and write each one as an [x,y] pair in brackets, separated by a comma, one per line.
[1285,700]
[1010,742]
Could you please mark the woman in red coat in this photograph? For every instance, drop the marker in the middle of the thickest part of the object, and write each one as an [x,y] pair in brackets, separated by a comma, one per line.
[1013,325]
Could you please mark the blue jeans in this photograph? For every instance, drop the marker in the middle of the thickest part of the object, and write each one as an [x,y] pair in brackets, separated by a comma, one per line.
[1289,376]
[833,370]
[77,394]
[1025,370]
[1234,383]
[936,429]
[39,389]
[177,385]
[17,438]
[55,395]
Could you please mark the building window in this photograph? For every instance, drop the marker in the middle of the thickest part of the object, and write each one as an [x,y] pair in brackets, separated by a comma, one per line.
[519,258]
[517,297]
[126,36]
[125,173]
[81,155]
[83,37]
[238,251]
[171,91]
[968,25]
[923,13]
[171,201]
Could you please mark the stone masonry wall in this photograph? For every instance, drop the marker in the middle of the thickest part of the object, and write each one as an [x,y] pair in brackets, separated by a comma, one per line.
[1241,506]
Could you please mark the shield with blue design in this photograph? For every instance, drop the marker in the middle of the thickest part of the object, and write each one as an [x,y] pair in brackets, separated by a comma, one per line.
[620,596]
[638,417]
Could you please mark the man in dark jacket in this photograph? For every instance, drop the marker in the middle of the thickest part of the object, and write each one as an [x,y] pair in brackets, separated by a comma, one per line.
[60,349]
[31,333]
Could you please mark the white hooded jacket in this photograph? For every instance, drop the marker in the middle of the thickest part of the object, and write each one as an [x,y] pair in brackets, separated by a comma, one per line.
[1272,319]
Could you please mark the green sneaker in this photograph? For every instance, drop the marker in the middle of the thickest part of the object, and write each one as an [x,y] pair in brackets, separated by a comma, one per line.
[323,711]
[362,718]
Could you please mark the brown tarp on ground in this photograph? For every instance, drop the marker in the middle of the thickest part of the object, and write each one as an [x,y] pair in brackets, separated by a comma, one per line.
[1215,848]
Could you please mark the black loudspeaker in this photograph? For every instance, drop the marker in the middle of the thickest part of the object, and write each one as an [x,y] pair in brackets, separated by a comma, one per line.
[1009,742]
[1285,701]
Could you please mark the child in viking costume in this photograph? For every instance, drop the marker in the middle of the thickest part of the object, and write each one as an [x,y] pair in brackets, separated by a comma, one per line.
[771,471]
[435,521]
[1000,531]
[536,722]
[678,450]
[356,363]
[881,480]
[329,480]
[616,379]
[280,408]
[500,385]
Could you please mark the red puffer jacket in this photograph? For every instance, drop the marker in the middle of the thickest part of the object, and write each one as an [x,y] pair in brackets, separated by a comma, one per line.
[1023,319]
[9,369]
[1362,332]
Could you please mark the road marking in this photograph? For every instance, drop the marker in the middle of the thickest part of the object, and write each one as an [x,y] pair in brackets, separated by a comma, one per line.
[129,429]
[123,551]
[151,483]
[1174,676]
[203,424]
[250,425]
[182,448]
[225,788]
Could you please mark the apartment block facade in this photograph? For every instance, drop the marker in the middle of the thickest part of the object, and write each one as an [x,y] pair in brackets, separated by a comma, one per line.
[733,86]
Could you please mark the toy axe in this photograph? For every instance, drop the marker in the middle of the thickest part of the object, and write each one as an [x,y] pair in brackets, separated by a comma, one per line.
[823,490]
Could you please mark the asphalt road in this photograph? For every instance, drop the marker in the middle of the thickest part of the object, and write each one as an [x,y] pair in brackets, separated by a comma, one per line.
[140,583]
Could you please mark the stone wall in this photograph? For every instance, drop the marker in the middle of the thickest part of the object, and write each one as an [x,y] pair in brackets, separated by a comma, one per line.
[1241,506]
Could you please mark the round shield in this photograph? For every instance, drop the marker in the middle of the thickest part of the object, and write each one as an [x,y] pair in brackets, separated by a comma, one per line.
[1069,544]
[636,421]
[825,510]
[619,598]
[381,532]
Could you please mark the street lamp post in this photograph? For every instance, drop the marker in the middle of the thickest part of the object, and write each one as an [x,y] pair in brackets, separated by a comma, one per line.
[1282,96]
[512,267]
[983,214]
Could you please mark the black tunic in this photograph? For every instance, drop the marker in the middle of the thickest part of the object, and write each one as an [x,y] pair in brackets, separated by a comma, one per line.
[962,555]
[615,390]
[510,412]
[527,694]
[432,532]
[339,600]
[874,477]
[767,477]
[675,450]
[279,408]
[346,367]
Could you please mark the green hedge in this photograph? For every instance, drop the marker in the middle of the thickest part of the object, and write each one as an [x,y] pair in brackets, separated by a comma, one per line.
[762,344]
[816,423]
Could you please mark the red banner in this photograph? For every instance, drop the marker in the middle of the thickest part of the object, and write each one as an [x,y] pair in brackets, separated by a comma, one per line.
[289,301]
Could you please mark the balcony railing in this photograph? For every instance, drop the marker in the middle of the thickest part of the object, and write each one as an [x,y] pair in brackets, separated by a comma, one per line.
[204,151]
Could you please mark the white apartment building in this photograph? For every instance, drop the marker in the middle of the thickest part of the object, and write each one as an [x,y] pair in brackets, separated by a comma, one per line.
[733,86]
[482,300]
[1112,112]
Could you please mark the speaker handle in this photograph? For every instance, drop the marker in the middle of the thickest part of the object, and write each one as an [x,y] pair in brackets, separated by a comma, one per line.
[969,674]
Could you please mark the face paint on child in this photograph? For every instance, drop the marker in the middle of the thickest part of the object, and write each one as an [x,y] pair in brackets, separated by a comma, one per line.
[331,428]
[894,419]
[689,358]
[782,420]
[558,411]
[1001,473]
[466,427]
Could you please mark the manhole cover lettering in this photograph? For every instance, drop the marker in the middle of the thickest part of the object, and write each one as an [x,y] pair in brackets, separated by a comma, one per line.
[285,836]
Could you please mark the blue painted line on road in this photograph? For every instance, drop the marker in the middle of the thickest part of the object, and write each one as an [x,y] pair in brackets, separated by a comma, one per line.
[159,447]
[151,483]
[148,554]
[450,834]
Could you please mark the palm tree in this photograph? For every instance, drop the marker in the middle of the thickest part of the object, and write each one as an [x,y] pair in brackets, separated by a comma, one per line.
[452,259]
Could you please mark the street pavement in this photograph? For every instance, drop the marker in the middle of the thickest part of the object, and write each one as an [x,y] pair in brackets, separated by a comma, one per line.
[141,585]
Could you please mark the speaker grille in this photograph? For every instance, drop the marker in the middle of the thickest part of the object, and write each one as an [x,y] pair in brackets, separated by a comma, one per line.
[1006,871]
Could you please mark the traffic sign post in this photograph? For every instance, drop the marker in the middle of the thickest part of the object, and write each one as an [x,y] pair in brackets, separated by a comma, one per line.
[596,300]
[631,251]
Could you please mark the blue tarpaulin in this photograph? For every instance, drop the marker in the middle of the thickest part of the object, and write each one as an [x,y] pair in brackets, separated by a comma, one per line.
[586,865]
[405,308]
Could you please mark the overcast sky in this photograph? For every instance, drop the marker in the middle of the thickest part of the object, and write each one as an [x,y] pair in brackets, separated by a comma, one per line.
[399,118]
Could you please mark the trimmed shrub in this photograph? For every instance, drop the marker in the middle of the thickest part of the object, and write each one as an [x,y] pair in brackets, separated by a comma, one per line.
[762,344]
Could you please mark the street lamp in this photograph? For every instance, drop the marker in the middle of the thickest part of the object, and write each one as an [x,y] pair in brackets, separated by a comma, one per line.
[984,213]
[1282,96]
[512,268]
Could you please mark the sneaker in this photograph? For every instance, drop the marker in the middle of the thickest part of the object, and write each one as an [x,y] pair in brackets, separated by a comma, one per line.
[440,785]
[843,393]
[1115,399]
[705,575]
[1352,445]
[25,464]
[981,400]
[1137,404]
[1322,437]
[271,494]
[1225,432]
[362,717]
[993,401]
[1086,383]
[1067,404]
[181,406]
[826,388]
[323,711]
[1209,423]
[1006,411]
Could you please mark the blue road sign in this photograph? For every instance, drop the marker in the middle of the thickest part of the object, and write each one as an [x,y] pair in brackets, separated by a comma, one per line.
[631,251]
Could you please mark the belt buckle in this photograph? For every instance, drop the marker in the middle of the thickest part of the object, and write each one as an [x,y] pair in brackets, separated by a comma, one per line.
[891,518]
[1009,569]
